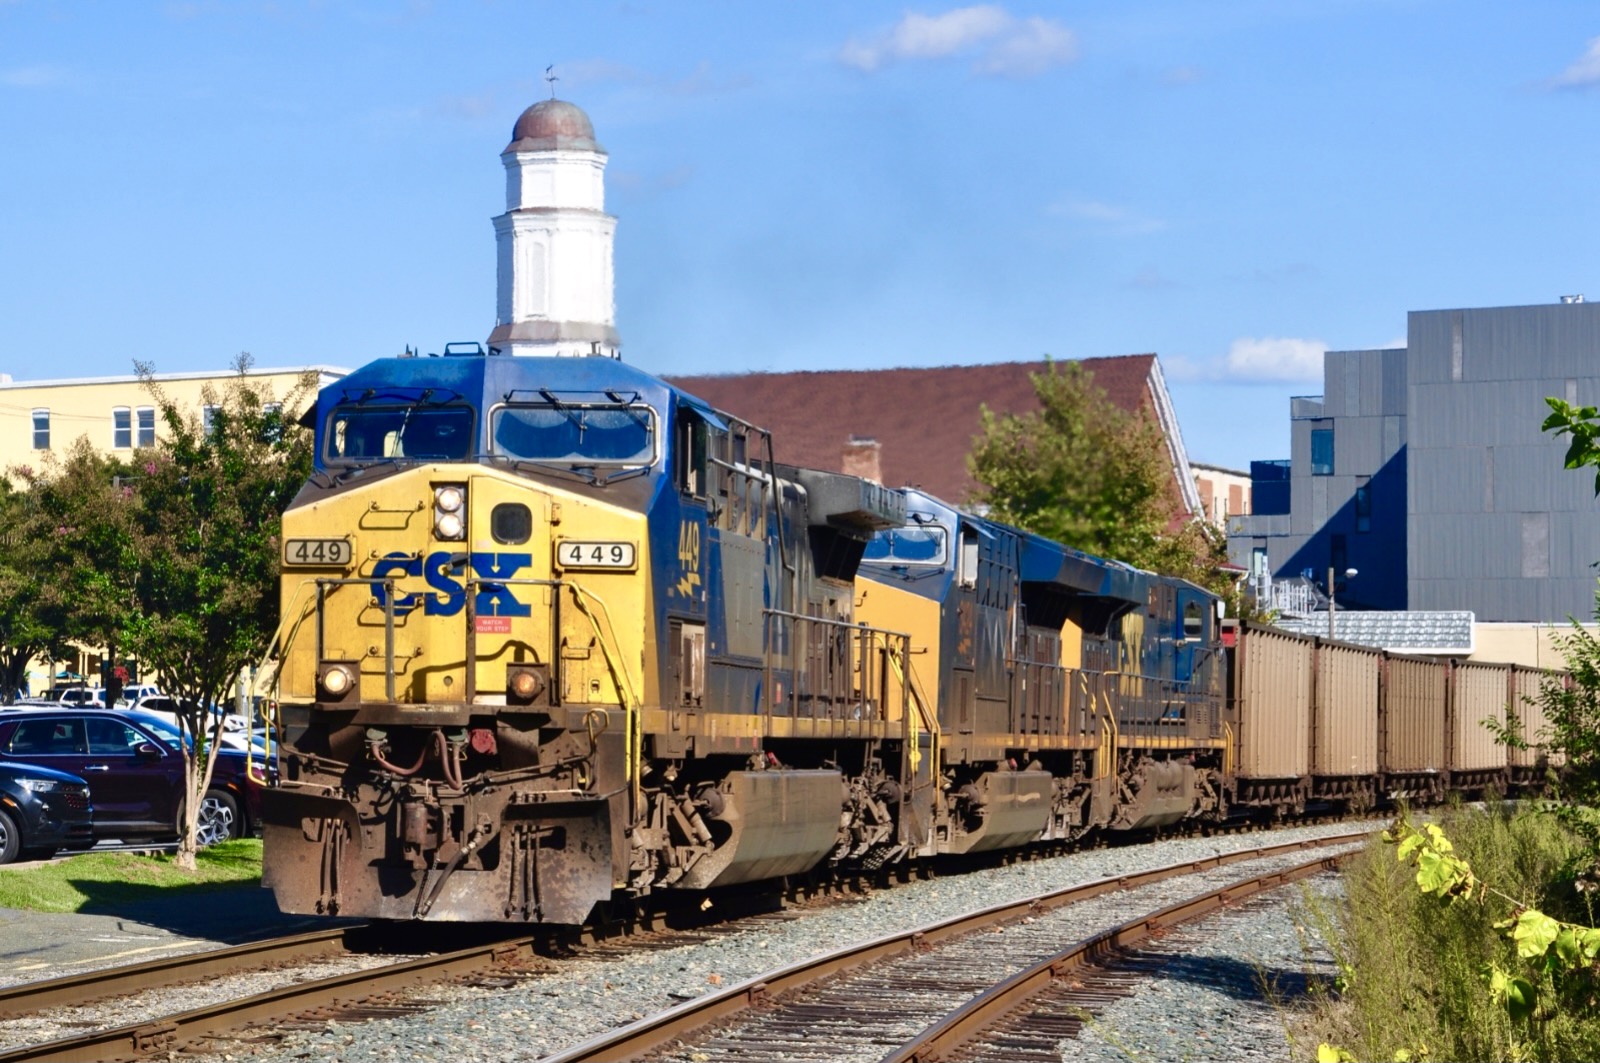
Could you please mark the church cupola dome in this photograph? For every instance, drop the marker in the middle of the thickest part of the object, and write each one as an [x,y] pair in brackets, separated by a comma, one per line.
[551,125]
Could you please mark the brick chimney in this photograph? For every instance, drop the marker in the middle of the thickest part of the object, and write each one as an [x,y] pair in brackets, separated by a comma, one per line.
[862,458]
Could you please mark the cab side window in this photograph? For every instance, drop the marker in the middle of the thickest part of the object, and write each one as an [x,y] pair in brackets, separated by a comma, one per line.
[967,562]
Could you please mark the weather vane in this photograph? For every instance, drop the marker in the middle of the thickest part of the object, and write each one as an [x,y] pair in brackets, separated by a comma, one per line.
[549,75]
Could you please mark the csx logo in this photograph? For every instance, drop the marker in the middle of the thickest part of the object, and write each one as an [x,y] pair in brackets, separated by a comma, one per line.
[445,573]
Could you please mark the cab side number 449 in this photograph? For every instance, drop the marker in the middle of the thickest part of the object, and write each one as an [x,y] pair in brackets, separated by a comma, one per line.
[317,552]
[576,554]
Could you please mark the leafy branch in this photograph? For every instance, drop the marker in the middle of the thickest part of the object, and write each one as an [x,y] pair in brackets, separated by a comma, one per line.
[1563,951]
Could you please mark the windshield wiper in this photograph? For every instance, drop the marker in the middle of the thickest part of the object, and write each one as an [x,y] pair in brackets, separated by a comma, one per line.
[626,404]
[584,473]
[410,395]
[550,397]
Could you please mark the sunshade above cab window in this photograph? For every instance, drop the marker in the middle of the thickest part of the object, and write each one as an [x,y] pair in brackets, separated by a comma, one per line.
[585,434]
[366,433]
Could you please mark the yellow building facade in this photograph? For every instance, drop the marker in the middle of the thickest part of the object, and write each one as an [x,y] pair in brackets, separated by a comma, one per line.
[118,415]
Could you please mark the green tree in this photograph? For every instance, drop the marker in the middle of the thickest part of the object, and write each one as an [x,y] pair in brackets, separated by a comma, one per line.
[76,526]
[1084,472]
[1572,709]
[32,607]
[210,504]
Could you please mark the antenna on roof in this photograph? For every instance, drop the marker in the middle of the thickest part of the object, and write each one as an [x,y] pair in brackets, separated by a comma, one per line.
[550,76]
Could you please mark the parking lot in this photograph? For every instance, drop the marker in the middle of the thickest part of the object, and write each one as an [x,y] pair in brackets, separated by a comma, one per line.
[75,774]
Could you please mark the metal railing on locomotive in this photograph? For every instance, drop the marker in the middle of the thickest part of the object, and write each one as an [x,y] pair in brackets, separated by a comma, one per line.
[472,587]
[831,667]
[846,671]
[1150,707]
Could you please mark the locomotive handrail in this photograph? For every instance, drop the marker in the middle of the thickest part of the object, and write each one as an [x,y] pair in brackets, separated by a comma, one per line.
[388,619]
[472,582]
[271,713]
[864,632]
[633,738]
[632,703]
[930,721]
[851,624]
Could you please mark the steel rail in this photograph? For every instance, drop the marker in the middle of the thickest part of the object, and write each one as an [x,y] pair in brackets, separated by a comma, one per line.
[162,1034]
[170,970]
[645,1035]
[985,1010]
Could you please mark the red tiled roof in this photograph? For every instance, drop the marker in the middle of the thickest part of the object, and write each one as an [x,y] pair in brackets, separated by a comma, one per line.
[923,419]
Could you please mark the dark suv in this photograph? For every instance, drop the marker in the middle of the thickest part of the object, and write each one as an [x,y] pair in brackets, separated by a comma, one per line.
[134,765]
[41,811]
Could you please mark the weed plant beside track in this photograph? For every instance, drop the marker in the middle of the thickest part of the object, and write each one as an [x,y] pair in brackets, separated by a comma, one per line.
[105,882]
[1414,968]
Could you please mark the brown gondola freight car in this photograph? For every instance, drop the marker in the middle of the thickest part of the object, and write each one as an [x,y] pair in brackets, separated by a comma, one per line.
[1344,723]
[1528,766]
[1269,704]
[1476,756]
[1411,731]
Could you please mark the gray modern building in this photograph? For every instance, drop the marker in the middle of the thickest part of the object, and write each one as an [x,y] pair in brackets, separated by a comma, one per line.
[1424,468]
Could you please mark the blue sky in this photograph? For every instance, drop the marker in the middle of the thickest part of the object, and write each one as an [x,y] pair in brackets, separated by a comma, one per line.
[1231,185]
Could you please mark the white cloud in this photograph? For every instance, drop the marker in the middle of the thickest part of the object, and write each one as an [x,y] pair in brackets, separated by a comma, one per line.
[1268,360]
[1001,43]
[1038,45]
[33,77]
[1583,74]
[1110,215]
[1274,358]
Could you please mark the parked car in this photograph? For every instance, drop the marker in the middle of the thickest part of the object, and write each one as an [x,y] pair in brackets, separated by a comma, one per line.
[89,698]
[134,763]
[42,811]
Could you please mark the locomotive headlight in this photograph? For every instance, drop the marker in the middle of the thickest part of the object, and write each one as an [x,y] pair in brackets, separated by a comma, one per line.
[449,509]
[336,680]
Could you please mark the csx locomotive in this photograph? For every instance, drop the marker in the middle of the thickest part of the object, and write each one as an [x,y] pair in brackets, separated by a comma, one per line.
[558,635]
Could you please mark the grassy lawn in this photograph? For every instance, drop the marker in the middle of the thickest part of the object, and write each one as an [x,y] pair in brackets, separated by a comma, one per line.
[95,882]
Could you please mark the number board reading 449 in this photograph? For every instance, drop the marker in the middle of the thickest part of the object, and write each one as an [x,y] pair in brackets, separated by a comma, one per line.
[308,552]
[575,554]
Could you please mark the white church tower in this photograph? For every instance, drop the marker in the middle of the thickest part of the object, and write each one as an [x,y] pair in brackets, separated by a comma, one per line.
[554,240]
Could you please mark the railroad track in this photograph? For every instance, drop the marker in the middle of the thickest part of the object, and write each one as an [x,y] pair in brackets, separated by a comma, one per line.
[349,994]
[917,995]
[377,992]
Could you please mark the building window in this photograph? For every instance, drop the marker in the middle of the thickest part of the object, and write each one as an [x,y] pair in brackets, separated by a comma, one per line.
[147,425]
[1364,508]
[122,428]
[1338,557]
[41,429]
[208,417]
[1322,452]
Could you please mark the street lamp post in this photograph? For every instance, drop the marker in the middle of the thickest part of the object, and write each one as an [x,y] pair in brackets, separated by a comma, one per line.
[1349,573]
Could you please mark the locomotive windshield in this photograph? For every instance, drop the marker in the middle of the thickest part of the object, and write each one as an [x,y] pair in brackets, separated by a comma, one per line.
[369,433]
[575,434]
[910,545]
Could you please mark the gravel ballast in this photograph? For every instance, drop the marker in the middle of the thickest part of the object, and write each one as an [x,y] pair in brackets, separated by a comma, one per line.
[591,993]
